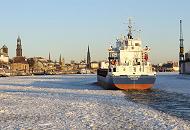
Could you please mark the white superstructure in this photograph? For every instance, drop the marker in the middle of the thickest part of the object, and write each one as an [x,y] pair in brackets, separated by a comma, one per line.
[129,58]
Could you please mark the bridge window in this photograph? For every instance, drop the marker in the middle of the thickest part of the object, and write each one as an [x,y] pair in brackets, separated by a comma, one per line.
[137,44]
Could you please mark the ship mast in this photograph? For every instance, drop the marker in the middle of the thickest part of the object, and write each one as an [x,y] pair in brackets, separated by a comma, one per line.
[129,35]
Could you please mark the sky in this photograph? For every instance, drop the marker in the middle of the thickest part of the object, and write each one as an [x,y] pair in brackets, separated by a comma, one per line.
[67,27]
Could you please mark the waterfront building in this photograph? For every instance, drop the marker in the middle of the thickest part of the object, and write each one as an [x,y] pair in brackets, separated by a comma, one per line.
[4,62]
[19,65]
[40,65]
[169,66]
[176,66]
[104,64]
[94,65]
[185,64]
[4,58]
[82,64]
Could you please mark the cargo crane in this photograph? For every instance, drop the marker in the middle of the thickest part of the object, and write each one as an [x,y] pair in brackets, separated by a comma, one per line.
[181,51]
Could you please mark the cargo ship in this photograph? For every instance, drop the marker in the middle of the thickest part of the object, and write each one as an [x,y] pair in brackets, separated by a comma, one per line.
[129,67]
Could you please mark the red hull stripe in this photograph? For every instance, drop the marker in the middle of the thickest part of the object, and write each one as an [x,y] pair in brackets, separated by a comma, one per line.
[133,86]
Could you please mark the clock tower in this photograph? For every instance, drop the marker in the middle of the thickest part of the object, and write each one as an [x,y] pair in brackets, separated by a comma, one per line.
[19,47]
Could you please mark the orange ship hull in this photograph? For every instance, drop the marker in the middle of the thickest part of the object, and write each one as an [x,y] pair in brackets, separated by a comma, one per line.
[133,86]
[125,82]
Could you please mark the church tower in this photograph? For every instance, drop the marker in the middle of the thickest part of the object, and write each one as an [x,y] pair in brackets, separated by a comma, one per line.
[88,58]
[19,47]
[60,60]
[49,59]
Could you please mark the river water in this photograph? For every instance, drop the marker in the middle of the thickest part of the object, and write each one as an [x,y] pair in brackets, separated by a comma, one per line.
[171,95]
[171,103]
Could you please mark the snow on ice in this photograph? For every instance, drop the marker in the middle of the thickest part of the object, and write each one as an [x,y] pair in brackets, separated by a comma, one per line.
[76,102]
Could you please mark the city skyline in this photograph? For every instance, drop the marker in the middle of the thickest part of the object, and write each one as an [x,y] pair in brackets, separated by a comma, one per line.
[68,28]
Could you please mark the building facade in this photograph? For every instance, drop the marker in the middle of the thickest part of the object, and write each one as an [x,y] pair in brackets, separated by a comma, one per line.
[19,65]
[4,58]
[94,65]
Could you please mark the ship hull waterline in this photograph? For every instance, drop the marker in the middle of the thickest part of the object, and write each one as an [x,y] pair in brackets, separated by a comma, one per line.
[127,82]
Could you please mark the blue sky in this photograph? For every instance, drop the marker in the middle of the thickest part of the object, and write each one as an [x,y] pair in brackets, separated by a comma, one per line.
[68,27]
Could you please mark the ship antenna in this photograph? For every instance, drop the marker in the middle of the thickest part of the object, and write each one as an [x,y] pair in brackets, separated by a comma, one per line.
[139,34]
[130,30]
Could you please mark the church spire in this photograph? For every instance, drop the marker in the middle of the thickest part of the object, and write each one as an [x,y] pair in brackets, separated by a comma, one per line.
[88,58]
[60,60]
[49,57]
[19,39]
